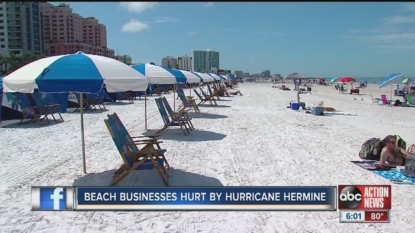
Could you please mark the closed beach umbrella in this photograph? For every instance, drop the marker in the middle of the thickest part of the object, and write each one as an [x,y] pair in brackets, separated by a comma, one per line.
[346,80]
[79,72]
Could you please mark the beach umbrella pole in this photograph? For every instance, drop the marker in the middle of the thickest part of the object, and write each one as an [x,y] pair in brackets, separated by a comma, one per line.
[145,109]
[81,106]
[174,97]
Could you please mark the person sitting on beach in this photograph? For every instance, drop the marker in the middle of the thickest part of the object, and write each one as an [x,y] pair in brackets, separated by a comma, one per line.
[391,153]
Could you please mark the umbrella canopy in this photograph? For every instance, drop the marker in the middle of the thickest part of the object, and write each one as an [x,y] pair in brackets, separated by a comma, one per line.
[215,76]
[346,80]
[295,76]
[333,80]
[159,74]
[225,77]
[205,77]
[389,78]
[79,72]
[407,80]
[191,77]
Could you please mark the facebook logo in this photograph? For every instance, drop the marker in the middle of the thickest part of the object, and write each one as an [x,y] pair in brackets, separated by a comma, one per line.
[52,199]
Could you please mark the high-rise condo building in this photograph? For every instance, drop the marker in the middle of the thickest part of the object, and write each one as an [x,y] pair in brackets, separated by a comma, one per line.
[205,60]
[21,28]
[185,62]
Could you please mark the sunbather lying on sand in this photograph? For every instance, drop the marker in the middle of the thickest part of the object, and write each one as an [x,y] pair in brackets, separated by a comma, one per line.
[237,92]
[392,154]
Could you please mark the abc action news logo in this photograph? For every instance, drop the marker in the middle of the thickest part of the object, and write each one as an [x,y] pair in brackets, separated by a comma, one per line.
[365,197]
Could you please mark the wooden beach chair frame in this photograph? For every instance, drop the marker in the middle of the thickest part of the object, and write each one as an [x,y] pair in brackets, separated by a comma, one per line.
[132,156]
[209,98]
[90,102]
[53,108]
[127,96]
[178,116]
[30,110]
[214,93]
[166,120]
[187,103]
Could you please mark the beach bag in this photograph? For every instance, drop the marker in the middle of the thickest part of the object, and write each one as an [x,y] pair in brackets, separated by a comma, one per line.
[371,149]
[400,142]
[410,166]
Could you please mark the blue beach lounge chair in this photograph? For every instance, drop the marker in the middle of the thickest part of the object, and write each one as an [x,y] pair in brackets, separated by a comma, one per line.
[177,116]
[209,98]
[53,108]
[150,156]
[30,110]
[187,103]
[167,122]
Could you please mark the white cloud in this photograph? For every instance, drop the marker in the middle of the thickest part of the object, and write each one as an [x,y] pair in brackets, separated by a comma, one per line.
[268,33]
[138,7]
[165,20]
[134,26]
[401,19]
[192,33]
[208,4]
[409,6]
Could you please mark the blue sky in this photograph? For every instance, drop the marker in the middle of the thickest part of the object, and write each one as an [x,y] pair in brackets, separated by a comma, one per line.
[314,39]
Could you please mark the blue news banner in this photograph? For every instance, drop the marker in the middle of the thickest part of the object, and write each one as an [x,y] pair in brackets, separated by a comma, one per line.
[184,198]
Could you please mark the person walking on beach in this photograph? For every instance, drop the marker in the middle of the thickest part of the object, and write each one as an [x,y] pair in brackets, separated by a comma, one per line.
[392,154]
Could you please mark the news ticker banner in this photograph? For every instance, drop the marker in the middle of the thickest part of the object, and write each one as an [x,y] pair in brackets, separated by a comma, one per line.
[184,198]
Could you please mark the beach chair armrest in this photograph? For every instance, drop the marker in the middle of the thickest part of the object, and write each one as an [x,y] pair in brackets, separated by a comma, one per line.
[148,136]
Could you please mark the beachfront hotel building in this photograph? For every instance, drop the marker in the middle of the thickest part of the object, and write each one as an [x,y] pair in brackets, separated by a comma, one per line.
[66,32]
[205,60]
[21,28]
[170,62]
[185,62]
[124,58]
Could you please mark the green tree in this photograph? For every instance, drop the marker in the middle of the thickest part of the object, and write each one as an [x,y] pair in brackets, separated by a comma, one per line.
[177,66]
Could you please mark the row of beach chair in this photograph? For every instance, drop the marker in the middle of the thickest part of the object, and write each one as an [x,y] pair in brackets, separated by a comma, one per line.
[34,108]
[145,152]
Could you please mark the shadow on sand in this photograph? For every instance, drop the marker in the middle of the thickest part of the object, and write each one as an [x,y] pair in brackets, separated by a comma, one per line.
[338,113]
[214,106]
[14,124]
[117,103]
[87,111]
[194,136]
[147,178]
[206,115]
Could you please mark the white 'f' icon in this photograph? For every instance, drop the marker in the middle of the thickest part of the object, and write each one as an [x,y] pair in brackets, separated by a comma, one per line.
[56,197]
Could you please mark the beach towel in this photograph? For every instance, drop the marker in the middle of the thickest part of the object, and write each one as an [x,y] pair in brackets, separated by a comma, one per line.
[389,173]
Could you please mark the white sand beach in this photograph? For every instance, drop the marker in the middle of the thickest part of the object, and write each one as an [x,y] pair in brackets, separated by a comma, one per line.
[250,140]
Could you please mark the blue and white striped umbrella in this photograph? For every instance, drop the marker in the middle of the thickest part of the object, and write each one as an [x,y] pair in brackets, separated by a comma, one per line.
[79,72]
[205,77]
[159,74]
[389,78]
[216,77]
[191,77]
